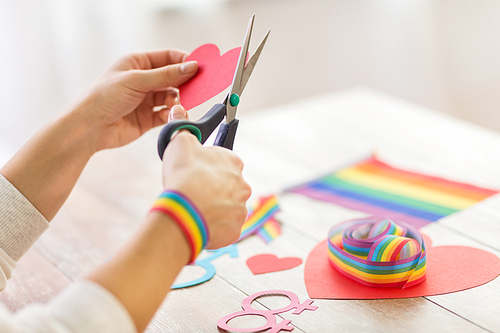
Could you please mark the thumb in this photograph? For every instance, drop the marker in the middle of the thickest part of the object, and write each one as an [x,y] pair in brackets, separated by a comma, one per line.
[167,76]
[177,113]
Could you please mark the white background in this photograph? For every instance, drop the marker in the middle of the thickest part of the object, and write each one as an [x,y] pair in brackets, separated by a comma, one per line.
[440,54]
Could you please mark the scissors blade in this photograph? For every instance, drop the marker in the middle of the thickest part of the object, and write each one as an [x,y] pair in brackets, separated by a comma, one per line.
[251,63]
[236,85]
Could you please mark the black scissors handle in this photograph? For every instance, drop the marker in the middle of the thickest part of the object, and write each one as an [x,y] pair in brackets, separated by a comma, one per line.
[226,134]
[201,128]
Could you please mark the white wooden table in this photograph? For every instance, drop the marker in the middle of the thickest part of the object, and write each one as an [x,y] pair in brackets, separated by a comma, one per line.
[282,147]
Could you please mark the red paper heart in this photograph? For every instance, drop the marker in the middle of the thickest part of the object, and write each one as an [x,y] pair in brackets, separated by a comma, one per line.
[449,269]
[268,263]
[215,73]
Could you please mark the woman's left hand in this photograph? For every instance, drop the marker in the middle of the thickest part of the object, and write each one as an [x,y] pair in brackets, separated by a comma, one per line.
[119,105]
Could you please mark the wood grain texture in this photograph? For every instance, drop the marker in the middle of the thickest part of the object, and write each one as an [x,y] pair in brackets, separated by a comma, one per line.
[87,231]
[197,309]
[281,147]
[414,314]
[479,305]
[35,280]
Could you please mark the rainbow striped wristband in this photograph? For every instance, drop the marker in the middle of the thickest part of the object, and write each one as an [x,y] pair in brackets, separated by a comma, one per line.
[187,217]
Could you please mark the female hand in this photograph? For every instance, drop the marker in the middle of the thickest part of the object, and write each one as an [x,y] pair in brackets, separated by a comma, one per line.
[115,110]
[119,105]
[211,178]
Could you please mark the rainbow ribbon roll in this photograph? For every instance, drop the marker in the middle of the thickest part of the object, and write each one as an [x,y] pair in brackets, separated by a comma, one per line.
[378,253]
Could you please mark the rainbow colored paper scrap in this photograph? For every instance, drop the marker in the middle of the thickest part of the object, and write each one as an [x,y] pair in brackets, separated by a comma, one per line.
[270,230]
[261,221]
[379,189]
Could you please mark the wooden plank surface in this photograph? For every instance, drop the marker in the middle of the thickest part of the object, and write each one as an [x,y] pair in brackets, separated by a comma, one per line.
[281,147]
[35,280]
[414,314]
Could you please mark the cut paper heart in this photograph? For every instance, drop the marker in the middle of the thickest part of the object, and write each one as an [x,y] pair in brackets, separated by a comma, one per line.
[215,73]
[449,269]
[268,263]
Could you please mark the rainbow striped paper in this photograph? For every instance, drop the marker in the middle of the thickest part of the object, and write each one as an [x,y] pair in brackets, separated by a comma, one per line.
[270,230]
[258,218]
[379,189]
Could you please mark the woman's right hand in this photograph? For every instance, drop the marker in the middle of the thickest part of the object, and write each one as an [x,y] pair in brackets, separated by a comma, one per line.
[211,178]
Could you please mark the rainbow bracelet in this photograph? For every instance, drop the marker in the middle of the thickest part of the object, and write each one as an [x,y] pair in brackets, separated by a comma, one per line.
[187,217]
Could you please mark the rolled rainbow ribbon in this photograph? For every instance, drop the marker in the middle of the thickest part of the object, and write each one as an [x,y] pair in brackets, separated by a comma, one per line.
[378,252]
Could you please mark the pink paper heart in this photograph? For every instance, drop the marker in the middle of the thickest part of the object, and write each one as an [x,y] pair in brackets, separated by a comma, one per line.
[268,263]
[449,269]
[215,73]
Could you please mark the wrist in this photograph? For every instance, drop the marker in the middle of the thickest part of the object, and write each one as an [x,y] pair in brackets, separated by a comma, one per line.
[187,217]
[86,128]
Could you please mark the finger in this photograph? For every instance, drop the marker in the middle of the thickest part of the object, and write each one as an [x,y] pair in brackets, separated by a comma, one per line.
[171,98]
[247,191]
[182,144]
[184,141]
[165,57]
[231,157]
[160,117]
[237,161]
[168,97]
[166,115]
[172,75]
[177,113]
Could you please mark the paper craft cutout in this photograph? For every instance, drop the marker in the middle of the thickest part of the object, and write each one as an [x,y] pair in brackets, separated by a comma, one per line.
[378,252]
[215,73]
[449,269]
[268,263]
[263,212]
[270,230]
[376,188]
[270,315]
[207,265]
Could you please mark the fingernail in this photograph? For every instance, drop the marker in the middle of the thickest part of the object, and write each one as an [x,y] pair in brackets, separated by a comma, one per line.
[189,67]
[177,112]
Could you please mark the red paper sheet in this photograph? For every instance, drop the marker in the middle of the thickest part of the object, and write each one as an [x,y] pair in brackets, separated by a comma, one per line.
[215,73]
[449,269]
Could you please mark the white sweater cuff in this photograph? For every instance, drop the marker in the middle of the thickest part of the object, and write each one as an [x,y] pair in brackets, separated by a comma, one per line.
[86,306]
[22,223]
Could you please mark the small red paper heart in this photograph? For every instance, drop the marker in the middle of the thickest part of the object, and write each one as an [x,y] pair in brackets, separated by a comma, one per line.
[268,263]
[215,73]
[449,269]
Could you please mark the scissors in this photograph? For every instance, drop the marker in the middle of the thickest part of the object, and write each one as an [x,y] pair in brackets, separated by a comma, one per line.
[207,124]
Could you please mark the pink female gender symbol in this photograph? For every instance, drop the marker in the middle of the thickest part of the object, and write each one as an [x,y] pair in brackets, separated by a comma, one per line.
[268,314]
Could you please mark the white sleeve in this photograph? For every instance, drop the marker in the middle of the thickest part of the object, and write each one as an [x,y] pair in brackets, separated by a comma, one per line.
[21,225]
[83,307]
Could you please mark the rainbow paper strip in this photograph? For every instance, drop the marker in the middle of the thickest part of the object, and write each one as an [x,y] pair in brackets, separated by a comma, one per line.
[269,231]
[377,252]
[378,189]
[263,211]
